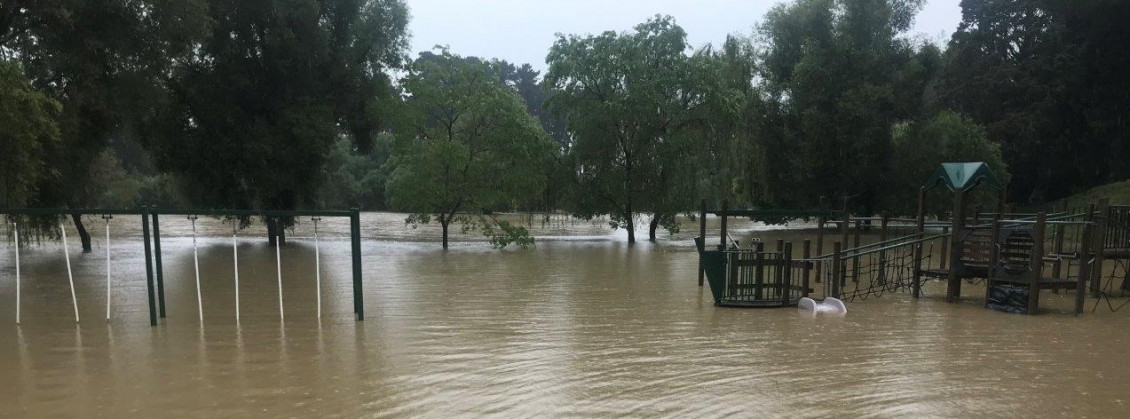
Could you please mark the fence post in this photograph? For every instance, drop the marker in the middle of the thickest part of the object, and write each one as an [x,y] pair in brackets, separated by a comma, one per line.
[819,244]
[724,216]
[1057,266]
[1085,251]
[1097,244]
[883,253]
[837,272]
[994,254]
[759,270]
[1036,264]
[953,287]
[945,252]
[786,283]
[915,286]
[355,239]
[806,254]
[702,235]
[160,266]
[148,266]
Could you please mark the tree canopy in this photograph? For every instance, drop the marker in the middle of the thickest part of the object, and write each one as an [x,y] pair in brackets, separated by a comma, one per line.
[468,143]
[285,104]
[623,98]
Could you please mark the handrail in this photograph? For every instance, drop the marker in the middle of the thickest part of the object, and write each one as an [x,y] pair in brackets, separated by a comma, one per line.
[880,246]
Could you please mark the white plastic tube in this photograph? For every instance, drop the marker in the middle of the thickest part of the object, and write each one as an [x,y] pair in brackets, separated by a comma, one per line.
[318,269]
[278,268]
[235,267]
[108,279]
[196,264]
[16,232]
[70,276]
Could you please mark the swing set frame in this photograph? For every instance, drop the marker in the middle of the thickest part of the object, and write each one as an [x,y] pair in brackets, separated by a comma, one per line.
[154,273]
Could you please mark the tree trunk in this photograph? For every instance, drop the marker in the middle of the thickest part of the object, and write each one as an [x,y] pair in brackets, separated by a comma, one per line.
[280,227]
[631,226]
[271,236]
[444,221]
[83,235]
[651,228]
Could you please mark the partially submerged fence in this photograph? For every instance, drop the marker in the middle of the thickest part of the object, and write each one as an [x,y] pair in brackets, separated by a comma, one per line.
[1013,256]
[154,268]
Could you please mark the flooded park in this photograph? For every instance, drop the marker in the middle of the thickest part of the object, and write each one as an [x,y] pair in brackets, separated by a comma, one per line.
[581,325]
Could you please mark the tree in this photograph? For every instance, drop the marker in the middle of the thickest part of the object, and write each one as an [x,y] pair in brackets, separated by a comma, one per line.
[27,130]
[104,61]
[355,179]
[833,73]
[1045,78]
[623,98]
[272,86]
[725,125]
[469,144]
[921,146]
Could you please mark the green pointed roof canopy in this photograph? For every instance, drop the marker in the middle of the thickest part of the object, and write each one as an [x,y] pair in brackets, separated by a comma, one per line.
[962,176]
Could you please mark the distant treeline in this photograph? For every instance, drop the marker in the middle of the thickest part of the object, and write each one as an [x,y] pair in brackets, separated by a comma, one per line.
[278,104]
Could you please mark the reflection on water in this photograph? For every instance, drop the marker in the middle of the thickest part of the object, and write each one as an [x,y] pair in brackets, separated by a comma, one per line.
[573,327]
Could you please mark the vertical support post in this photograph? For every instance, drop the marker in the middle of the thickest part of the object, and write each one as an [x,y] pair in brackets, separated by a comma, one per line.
[148,267]
[355,241]
[759,270]
[953,287]
[819,244]
[1037,264]
[160,266]
[806,253]
[994,255]
[942,262]
[786,283]
[915,285]
[724,215]
[1097,244]
[841,273]
[1085,252]
[855,244]
[883,253]
[1057,247]
[837,271]
[702,235]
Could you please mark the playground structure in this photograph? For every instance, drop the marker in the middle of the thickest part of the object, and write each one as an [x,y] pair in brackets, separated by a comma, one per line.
[155,283]
[1014,256]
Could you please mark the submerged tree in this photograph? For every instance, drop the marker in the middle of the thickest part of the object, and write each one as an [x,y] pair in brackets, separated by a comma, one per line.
[468,144]
[623,98]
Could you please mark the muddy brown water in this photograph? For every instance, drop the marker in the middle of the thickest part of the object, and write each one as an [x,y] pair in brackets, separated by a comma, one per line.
[583,325]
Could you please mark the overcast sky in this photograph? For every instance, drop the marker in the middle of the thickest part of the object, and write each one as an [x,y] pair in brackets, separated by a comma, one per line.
[521,31]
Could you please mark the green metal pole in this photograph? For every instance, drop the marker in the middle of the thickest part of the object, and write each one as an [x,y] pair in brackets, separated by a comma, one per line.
[160,265]
[148,268]
[355,238]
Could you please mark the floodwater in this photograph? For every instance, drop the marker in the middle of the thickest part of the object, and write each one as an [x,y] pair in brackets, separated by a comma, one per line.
[583,325]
